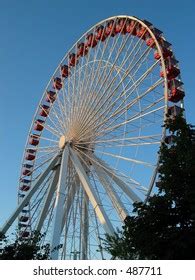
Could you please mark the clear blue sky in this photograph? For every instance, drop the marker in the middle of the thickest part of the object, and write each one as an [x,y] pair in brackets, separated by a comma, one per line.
[35,35]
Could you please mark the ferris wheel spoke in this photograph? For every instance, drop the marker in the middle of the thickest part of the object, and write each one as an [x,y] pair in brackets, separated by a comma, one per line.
[98,162]
[102,52]
[136,84]
[127,107]
[48,155]
[124,107]
[62,115]
[98,75]
[99,130]
[52,130]
[52,111]
[154,137]
[112,68]
[47,139]
[91,194]
[116,201]
[137,116]
[120,119]
[120,49]
[59,125]
[127,159]
[129,192]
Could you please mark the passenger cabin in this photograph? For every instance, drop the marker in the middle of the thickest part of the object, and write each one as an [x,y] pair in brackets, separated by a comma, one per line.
[44,110]
[131,27]
[27,169]
[91,40]
[57,83]
[39,125]
[30,154]
[172,69]
[121,26]
[100,33]
[82,49]
[51,96]
[34,139]
[73,60]
[141,32]
[65,72]
[110,28]
[174,111]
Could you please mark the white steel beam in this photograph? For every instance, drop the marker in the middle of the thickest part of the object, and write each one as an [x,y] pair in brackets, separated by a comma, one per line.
[98,207]
[68,202]
[48,199]
[126,189]
[114,197]
[28,196]
[84,226]
[59,204]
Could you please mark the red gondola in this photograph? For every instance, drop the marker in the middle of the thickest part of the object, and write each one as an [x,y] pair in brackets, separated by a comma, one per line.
[121,26]
[151,41]
[174,84]
[131,27]
[39,125]
[82,49]
[27,169]
[176,95]
[166,53]
[34,139]
[174,111]
[57,83]
[141,32]
[100,33]
[65,71]
[51,96]
[25,188]
[110,28]
[91,40]
[172,69]
[44,110]
[73,60]
[30,154]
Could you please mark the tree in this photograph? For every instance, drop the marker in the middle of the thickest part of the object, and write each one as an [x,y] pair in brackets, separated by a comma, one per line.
[24,249]
[164,227]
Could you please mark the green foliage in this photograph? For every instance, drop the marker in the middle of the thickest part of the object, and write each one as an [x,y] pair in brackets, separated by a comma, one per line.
[164,227]
[24,249]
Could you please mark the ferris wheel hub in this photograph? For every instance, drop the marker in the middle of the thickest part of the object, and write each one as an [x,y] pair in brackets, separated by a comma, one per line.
[62,142]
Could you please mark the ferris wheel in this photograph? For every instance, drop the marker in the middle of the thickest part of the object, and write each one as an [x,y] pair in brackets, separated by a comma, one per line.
[92,148]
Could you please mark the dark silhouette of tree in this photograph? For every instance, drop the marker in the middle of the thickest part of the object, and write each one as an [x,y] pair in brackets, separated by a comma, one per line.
[164,227]
[24,249]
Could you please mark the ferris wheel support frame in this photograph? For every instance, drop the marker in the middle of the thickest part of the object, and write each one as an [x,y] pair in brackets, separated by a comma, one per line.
[129,192]
[31,192]
[48,199]
[98,207]
[59,202]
